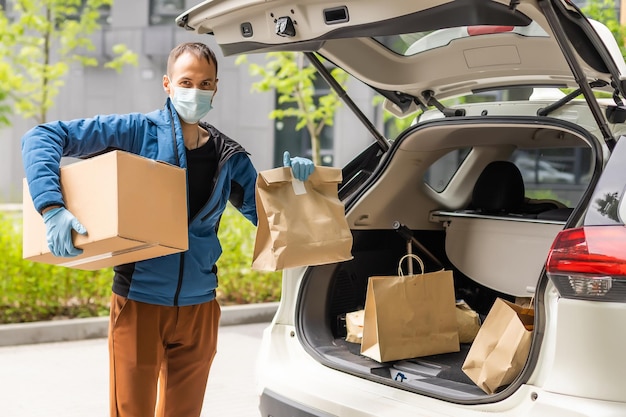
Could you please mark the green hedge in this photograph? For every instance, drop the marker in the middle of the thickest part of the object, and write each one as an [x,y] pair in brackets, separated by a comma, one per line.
[238,283]
[33,291]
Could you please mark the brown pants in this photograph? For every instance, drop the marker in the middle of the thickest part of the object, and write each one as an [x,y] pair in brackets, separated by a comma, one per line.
[160,352]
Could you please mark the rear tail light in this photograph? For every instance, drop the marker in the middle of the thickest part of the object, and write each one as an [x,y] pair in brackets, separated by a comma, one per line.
[589,263]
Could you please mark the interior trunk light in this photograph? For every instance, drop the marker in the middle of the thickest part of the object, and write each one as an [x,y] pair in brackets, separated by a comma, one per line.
[590,263]
[285,27]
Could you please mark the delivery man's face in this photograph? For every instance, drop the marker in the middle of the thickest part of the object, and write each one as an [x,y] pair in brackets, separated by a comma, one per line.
[190,71]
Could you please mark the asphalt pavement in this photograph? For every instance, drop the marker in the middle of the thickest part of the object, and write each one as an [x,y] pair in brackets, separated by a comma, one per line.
[70,378]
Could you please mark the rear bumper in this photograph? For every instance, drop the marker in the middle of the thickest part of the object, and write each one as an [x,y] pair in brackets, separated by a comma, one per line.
[275,405]
[293,384]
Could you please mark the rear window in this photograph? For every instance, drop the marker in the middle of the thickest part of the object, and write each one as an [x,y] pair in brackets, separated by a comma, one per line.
[417,42]
[441,172]
[560,174]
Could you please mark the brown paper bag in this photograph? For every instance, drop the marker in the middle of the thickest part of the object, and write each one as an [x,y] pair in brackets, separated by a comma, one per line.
[501,346]
[409,316]
[300,223]
[354,326]
[468,322]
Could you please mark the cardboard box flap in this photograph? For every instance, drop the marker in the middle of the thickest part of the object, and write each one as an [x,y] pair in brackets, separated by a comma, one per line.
[73,262]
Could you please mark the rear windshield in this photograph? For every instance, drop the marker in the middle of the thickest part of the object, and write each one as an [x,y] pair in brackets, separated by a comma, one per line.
[561,174]
[415,43]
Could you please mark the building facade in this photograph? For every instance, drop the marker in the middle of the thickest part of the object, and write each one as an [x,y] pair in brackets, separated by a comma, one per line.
[147,28]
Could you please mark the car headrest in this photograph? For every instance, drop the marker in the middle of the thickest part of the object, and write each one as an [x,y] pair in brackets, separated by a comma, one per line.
[499,188]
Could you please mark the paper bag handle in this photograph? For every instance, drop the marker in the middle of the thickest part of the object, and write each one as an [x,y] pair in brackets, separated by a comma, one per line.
[410,255]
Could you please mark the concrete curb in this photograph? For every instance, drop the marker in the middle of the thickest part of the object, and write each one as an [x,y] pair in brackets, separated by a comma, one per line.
[97,327]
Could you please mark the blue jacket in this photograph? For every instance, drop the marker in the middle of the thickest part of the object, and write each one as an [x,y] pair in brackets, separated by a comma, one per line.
[180,279]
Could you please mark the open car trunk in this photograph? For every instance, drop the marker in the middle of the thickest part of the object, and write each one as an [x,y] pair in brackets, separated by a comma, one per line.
[491,255]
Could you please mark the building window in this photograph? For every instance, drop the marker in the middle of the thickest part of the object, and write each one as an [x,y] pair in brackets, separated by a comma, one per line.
[105,15]
[163,12]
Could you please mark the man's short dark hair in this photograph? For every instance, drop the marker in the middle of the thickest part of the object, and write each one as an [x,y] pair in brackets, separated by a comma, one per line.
[198,49]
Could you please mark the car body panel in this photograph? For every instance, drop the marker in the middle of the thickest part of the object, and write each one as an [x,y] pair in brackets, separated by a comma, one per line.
[434,56]
[576,370]
[612,189]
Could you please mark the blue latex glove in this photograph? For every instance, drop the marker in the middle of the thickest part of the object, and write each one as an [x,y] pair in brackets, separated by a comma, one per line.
[301,167]
[59,224]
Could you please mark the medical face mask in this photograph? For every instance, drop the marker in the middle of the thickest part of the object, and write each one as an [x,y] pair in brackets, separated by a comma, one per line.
[192,104]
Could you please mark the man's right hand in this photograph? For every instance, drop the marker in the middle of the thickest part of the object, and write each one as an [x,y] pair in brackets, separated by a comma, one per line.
[59,224]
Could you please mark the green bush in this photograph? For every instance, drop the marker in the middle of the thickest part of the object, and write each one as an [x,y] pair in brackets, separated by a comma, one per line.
[238,283]
[33,291]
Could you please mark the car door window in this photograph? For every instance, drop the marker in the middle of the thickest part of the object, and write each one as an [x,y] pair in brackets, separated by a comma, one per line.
[441,172]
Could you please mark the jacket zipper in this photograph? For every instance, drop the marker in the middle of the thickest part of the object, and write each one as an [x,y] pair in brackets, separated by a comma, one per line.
[174,137]
[181,267]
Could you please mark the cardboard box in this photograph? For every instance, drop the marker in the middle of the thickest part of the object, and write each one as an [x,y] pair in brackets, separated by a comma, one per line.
[134,208]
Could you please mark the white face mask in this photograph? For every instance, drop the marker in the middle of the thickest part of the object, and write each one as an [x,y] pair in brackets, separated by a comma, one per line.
[192,104]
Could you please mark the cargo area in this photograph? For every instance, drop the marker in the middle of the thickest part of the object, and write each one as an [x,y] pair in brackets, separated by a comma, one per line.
[495,251]
[377,253]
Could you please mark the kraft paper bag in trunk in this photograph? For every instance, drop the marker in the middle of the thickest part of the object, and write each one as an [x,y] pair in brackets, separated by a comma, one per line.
[300,222]
[354,326]
[410,316]
[468,322]
[501,346]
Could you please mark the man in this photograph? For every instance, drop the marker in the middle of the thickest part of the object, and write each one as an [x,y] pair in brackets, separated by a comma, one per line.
[164,316]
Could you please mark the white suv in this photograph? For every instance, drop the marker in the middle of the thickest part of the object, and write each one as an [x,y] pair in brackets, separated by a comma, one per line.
[515,82]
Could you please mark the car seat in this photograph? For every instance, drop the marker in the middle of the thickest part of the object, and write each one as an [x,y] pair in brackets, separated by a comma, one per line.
[499,190]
